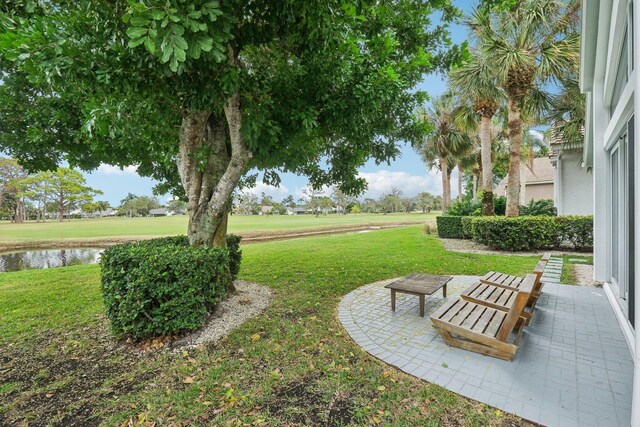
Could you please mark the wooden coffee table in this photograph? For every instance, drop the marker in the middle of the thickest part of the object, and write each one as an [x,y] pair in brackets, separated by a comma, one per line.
[420,285]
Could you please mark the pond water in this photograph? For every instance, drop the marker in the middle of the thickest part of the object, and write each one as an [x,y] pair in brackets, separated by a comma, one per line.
[48,258]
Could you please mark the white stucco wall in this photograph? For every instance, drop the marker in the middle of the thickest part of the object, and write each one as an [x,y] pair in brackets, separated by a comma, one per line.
[573,185]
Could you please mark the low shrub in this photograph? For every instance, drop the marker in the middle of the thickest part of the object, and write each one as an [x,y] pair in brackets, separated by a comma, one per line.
[533,232]
[450,227]
[465,208]
[500,205]
[543,207]
[467,226]
[430,228]
[164,286]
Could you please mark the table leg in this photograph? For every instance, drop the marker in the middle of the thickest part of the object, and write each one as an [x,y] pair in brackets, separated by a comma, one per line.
[421,305]
[393,300]
[444,290]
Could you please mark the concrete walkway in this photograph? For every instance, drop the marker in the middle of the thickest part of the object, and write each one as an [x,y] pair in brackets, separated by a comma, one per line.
[573,367]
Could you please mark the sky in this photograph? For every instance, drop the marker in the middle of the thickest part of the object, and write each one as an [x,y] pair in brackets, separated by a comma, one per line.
[407,172]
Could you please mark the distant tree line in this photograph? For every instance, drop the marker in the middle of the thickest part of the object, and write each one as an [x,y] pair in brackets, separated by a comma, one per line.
[315,202]
[44,194]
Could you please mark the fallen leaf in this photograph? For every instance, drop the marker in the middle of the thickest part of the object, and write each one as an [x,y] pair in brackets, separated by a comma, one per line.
[255,337]
[381,388]
[188,380]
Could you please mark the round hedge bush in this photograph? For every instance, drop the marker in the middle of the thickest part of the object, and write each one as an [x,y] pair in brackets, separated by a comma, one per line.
[164,286]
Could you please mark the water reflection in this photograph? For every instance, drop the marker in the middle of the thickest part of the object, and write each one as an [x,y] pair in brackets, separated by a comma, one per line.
[48,258]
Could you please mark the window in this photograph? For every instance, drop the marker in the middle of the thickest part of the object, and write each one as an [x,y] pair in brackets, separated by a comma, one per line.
[625,61]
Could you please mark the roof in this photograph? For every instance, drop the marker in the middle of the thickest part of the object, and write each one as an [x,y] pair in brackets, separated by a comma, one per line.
[539,172]
[158,211]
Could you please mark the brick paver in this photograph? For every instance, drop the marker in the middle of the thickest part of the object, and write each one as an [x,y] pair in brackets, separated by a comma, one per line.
[573,366]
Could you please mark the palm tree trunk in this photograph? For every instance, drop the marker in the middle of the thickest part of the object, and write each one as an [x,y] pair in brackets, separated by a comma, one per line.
[446,184]
[513,179]
[475,186]
[487,166]
[459,181]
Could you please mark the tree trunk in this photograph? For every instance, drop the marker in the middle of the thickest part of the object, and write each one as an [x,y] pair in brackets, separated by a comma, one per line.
[487,166]
[475,186]
[210,182]
[459,182]
[19,210]
[446,184]
[513,179]
[61,207]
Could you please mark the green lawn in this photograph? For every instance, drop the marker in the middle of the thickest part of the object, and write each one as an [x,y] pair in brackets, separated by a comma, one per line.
[163,226]
[303,369]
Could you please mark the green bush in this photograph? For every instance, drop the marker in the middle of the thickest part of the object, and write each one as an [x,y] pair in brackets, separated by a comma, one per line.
[464,208]
[450,227]
[164,286]
[543,207]
[577,230]
[533,232]
[500,205]
[233,245]
[516,233]
[467,227]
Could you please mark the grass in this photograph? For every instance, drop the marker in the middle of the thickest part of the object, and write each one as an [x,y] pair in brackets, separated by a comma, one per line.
[293,365]
[163,226]
[568,276]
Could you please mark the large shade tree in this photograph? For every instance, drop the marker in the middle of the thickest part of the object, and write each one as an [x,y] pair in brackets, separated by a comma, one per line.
[197,93]
[529,45]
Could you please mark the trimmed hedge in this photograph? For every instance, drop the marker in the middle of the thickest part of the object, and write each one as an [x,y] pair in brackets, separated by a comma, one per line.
[164,286]
[533,232]
[577,230]
[467,226]
[450,227]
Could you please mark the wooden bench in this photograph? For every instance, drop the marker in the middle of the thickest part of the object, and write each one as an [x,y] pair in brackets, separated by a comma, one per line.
[481,329]
[476,293]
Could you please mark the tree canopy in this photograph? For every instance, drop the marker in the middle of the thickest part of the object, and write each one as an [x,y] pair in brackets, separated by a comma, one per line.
[197,93]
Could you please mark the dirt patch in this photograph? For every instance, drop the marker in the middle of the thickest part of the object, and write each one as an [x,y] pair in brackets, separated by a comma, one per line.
[469,246]
[247,237]
[301,402]
[64,380]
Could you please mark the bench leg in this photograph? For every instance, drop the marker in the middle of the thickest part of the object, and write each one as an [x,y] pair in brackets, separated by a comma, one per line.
[393,300]
[421,305]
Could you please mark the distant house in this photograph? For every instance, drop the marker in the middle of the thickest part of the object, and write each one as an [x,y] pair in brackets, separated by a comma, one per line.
[266,210]
[159,212]
[572,180]
[107,212]
[536,180]
[296,211]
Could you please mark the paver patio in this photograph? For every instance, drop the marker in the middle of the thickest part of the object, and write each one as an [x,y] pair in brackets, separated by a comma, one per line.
[573,367]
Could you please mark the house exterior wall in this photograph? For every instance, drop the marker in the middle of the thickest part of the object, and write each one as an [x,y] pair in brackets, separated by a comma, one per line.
[538,192]
[573,185]
[612,135]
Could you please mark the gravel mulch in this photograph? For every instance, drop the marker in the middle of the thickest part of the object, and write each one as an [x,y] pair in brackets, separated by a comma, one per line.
[249,300]
[469,246]
[583,275]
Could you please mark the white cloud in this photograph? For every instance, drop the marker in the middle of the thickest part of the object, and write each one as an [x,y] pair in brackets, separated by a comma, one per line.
[277,193]
[383,181]
[116,170]
[536,134]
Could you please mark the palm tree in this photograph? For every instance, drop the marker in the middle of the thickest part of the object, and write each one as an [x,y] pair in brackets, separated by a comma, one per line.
[528,46]
[475,81]
[444,142]
[567,113]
